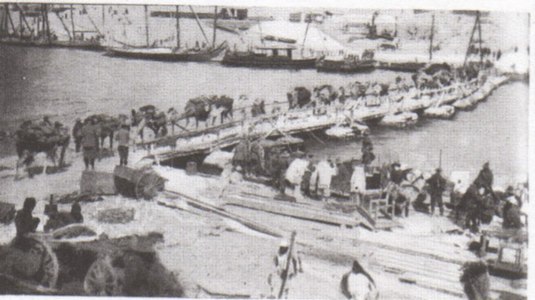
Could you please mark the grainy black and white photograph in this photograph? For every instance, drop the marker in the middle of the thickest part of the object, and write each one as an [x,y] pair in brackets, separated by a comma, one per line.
[249,151]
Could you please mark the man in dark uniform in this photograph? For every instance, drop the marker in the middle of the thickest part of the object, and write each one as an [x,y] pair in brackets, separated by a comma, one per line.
[77,134]
[366,142]
[281,165]
[511,214]
[90,143]
[46,122]
[241,155]
[396,174]
[24,222]
[485,178]
[472,203]
[437,185]
[368,157]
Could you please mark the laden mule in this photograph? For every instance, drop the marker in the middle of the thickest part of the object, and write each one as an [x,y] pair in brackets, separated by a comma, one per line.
[258,108]
[29,141]
[325,94]
[223,107]
[198,108]
[148,116]
[299,97]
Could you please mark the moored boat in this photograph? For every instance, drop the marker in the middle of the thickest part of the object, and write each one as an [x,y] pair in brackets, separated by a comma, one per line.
[268,57]
[168,54]
[401,66]
[346,65]
[440,112]
[399,120]
[466,103]
[76,44]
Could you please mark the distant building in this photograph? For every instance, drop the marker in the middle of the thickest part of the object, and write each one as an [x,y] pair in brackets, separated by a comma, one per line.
[232,13]
[308,18]
[295,17]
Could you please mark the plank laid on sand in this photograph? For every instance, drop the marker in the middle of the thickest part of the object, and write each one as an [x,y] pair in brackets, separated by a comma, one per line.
[297,211]
[205,206]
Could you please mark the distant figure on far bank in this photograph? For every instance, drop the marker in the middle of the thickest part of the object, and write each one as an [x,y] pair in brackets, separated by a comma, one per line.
[46,122]
[123,138]
[90,143]
[358,284]
[437,185]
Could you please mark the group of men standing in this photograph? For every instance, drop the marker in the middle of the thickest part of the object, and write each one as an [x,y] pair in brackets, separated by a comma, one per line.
[479,202]
[87,138]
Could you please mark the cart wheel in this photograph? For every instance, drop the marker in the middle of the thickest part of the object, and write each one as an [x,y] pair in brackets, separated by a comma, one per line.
[101,279]
[49,263]
[147,186]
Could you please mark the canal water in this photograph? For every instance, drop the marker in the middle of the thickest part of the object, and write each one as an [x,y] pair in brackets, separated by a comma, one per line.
[66,84]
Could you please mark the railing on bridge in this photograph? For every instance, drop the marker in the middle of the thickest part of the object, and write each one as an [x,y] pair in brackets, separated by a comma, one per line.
[392,102]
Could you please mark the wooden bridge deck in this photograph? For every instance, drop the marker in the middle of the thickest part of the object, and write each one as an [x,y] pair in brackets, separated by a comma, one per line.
[202,141]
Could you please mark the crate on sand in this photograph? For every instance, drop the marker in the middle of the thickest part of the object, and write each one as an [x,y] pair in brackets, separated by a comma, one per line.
[97,183]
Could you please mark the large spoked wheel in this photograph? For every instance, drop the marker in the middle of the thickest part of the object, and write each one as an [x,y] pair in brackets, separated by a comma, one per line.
[102,279]
[148,186]
[49,267]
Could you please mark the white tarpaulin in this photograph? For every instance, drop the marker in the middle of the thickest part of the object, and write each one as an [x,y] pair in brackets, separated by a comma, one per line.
[358,179]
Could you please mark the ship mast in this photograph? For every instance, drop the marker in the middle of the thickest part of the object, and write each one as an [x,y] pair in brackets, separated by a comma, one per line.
[199,24]
[46,24]
[20,21]
[10,19]
[91,20]
[480,41]
[177,28]
[215,25]
[2,24]
[23,19]
[147,25]
[477,25]
[431,35]
[72,23]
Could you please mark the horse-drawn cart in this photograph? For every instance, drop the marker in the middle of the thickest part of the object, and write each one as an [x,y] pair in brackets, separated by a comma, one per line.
[74,261]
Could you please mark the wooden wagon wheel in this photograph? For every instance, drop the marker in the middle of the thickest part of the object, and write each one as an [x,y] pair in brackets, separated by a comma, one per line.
[102,279]
[147,186]
[49,267]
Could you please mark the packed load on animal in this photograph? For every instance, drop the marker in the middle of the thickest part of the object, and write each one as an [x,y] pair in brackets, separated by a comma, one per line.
[262,157]
[34,137]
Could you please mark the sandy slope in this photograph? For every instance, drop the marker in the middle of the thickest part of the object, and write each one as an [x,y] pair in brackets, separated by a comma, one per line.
[210,253]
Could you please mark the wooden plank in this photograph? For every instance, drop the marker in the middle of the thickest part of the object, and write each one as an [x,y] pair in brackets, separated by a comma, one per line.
[459,262]
[302,212]
[428,284]
[246,222]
